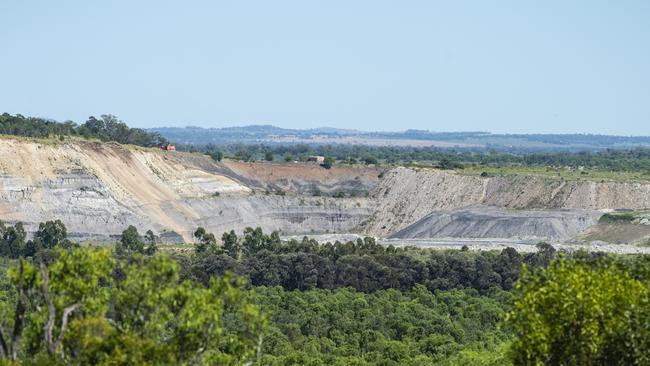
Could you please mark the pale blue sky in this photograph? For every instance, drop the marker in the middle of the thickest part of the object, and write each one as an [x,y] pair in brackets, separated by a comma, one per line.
[501,66]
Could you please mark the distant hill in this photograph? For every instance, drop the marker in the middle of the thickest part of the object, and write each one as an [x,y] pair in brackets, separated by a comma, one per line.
[458,140]
[252,133]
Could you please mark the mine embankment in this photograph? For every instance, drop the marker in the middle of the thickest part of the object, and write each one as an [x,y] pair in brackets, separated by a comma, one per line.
[495,222]
[98,189]
[407,195]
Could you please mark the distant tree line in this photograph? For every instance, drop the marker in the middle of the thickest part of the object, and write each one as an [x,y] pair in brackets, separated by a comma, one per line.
[109,128]
[502,142]
[106,128]
[614,160]
[266,260]
[53,235]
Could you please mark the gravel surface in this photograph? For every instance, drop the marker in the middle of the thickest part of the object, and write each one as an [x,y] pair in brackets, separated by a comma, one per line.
[495,222]
[482,244]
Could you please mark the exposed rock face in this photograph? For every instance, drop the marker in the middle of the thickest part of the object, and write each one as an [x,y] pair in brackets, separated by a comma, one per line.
[493,222]
[308,178]
[547,192]
[405,195]
[81,200]
[292,215]
[98,189]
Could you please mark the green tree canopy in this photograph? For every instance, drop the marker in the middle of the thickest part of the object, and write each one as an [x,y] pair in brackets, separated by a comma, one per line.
[12,240]
[51,234]
[328,162]
[231,244]
[207,242]
[78,311]
[130,241]
[576,313]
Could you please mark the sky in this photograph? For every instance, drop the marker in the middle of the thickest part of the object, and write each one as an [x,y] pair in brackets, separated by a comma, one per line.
[502,66]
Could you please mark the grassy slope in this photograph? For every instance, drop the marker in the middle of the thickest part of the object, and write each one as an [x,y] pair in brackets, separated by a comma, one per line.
[567,174]
[620,227]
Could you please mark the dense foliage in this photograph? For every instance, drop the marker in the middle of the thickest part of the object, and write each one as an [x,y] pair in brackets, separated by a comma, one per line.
[86,307]
[389,327]
[50,234]
[123,307]
[265,260]
[580,313]
[105,128]
[301,303]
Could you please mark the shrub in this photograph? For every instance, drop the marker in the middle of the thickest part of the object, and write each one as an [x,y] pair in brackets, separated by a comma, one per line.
[618,217]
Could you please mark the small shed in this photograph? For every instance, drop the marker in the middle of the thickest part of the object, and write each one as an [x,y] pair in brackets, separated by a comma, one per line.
[316,159]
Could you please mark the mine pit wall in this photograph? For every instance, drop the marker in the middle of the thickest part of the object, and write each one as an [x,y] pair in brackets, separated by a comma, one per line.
[543,192]
[406,195]
[92,213]
[291,215]
[83,203]
[98,189]
[306,178]
[557,225]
